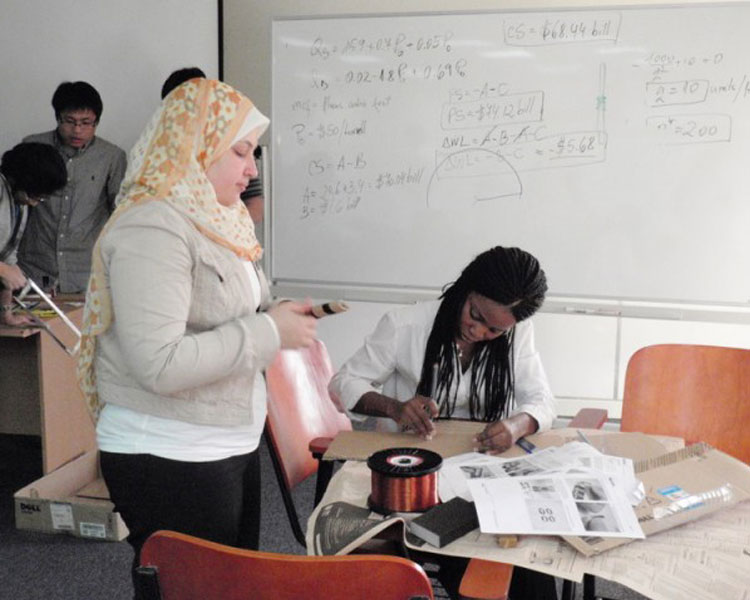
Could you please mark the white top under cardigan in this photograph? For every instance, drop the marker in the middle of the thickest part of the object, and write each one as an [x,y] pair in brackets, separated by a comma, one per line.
[130,432]
[186,348]
[392,356]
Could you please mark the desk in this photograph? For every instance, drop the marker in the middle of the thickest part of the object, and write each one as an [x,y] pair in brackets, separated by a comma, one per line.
[708,558]
[39,394]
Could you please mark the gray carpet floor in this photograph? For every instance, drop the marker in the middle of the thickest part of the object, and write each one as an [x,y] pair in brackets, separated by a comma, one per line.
[35,566]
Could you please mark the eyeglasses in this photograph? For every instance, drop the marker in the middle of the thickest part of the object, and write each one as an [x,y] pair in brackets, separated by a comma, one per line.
[82,123]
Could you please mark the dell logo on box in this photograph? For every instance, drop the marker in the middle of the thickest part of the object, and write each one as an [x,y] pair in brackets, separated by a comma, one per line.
[30,508]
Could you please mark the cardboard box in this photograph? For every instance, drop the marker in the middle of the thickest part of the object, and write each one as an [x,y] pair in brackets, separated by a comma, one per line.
[72,500]
[680,487]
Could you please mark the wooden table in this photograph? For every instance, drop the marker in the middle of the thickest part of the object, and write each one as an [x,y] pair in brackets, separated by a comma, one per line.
[655,567]
[39,394]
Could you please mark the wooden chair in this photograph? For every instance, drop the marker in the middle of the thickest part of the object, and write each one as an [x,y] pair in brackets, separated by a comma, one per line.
[175,566]
[698,393]
[302,421]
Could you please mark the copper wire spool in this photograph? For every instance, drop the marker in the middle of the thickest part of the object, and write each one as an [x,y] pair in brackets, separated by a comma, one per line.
[404,480]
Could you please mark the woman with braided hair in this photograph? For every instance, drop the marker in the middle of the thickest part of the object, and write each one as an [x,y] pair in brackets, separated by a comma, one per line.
[479,342]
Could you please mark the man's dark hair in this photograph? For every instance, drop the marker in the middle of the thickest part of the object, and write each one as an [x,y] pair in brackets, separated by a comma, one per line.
[76,95]
[511,277]
[253,190]
[180,76]
[34,168]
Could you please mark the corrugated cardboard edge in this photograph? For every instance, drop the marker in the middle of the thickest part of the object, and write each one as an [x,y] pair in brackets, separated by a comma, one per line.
[452,437]
[696,469]
[455,436]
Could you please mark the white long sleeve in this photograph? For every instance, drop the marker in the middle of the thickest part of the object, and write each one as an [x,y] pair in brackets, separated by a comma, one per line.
[390,361]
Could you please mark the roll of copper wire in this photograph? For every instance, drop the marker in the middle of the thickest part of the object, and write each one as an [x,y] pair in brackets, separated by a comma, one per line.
[404,480]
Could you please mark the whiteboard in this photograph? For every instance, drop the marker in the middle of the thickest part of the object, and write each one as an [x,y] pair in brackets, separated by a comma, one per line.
[612,144]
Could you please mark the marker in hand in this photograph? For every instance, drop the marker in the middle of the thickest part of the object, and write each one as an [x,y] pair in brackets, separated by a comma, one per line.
[329,308]
[433,395]
[433,383]
[525,445]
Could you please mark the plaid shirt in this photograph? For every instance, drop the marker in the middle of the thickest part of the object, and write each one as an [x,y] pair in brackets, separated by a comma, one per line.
[61,233]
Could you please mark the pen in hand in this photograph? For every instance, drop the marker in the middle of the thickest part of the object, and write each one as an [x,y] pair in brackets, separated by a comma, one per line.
[433,395]
[421,422]
[433,383]
[525,445]
[583,438]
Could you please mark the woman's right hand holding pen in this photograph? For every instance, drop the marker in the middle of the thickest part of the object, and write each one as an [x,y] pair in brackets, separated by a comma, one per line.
[497,437]
[416,415]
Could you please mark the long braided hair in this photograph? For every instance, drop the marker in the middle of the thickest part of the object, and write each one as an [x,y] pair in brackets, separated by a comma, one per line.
[511,277]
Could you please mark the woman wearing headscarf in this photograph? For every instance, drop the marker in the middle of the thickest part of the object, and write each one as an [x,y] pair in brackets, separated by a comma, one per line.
[177,325]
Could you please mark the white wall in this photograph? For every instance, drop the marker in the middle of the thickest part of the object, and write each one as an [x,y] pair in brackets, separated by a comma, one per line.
[124,49]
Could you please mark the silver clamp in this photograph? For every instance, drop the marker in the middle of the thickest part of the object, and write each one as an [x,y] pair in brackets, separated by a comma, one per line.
[19,300]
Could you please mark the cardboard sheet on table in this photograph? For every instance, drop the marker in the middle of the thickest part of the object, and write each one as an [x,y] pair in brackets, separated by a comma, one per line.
[452,437]
[633,445]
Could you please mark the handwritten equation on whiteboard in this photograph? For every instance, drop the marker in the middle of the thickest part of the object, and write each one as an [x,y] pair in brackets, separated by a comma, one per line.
[435,113]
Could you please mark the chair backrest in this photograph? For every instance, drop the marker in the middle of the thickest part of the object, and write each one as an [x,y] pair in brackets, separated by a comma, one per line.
[700,393]
[300,409]
[188,568]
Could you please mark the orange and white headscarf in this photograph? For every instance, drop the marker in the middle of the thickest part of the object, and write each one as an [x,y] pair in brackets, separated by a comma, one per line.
[194,126]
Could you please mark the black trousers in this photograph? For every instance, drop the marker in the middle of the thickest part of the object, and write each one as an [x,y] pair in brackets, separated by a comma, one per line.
[524,585]
[216,500]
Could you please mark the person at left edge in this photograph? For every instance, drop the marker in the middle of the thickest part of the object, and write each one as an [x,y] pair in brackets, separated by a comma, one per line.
[173,343]
[29,173]
[61,233]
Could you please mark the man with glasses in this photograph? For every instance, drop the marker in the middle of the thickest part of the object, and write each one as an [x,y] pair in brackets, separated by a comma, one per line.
[56,247]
